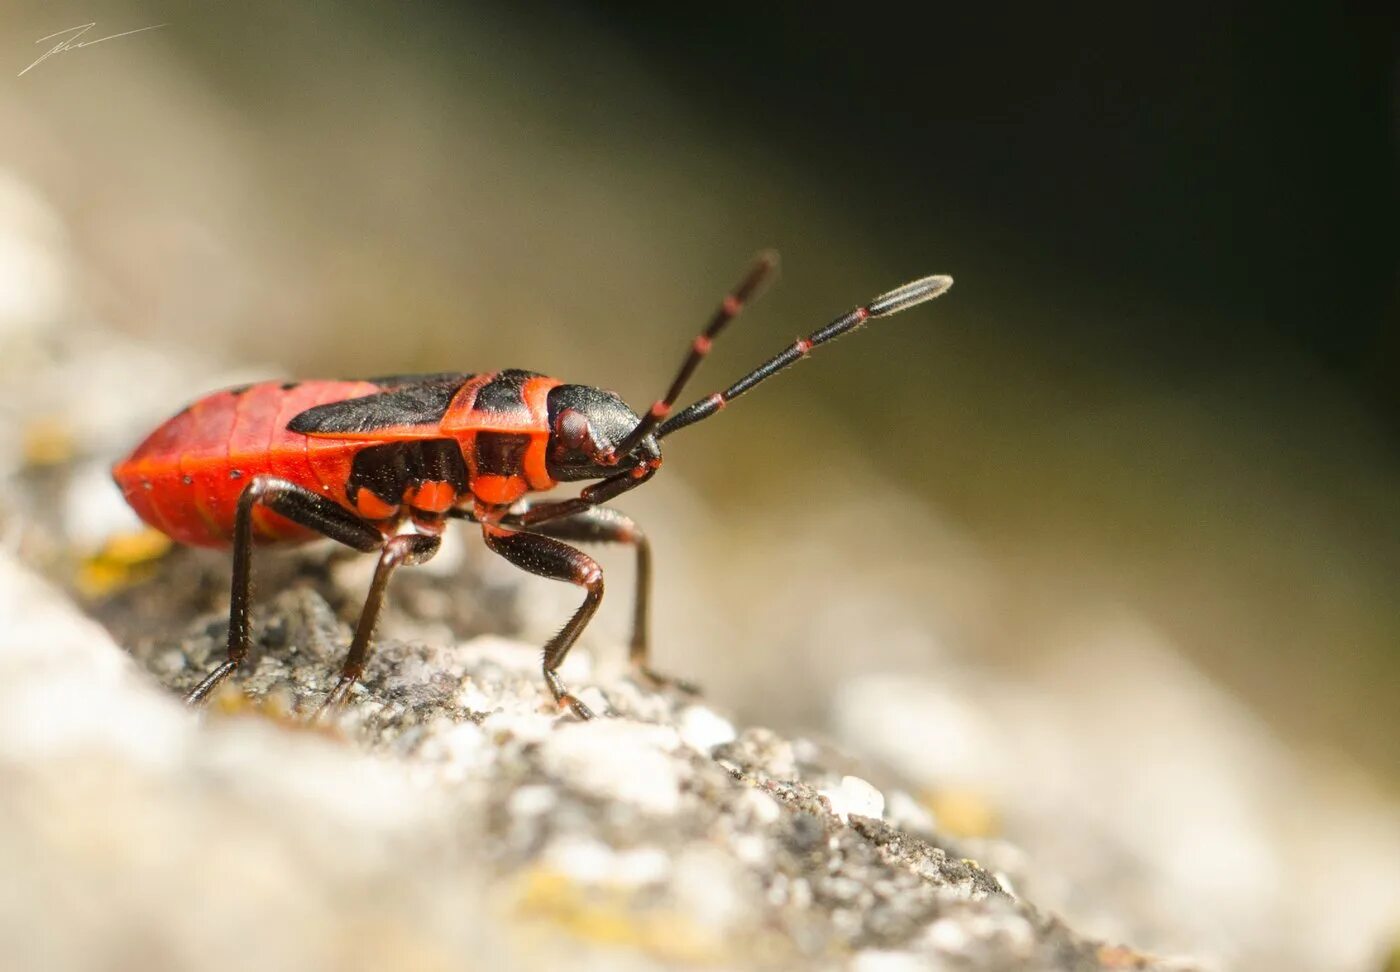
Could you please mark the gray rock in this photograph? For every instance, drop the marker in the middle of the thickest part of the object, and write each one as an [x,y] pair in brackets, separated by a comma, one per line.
[451,817]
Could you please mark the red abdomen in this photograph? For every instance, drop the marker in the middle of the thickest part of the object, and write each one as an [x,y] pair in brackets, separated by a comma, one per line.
[185,479]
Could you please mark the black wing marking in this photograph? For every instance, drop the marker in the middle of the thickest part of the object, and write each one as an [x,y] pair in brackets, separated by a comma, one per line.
[410,400]
[505,394]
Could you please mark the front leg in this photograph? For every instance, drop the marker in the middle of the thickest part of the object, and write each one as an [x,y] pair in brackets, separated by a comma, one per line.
[546,557]
[602,524]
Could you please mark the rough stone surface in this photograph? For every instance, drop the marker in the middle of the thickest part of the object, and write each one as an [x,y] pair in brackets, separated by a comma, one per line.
[451,817]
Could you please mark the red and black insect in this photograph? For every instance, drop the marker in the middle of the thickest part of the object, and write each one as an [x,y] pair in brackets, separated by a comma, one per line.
[381,464]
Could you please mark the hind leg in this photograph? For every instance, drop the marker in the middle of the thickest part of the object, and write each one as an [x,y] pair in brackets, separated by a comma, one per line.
[300,505]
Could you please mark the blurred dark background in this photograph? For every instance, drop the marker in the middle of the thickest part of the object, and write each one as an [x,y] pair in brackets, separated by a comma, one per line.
[1166,380]
[1224,164]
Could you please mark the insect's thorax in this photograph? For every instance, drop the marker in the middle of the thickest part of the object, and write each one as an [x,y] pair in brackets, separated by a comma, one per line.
[432,476]
[487,446]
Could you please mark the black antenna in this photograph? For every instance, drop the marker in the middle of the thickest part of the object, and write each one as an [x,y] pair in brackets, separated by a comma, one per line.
[760,272]
[899,299]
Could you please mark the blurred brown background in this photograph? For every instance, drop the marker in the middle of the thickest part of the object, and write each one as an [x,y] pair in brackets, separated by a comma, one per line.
[1165,383]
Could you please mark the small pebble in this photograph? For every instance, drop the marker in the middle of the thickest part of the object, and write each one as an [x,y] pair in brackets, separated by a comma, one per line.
[882,961]
[702,729]
[530,801]
[854,795]
[611,758]
[472,698]
[758,806]
[947,936]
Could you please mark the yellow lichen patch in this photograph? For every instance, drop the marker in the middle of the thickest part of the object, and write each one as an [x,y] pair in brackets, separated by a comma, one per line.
[1122,957]
[48,442]
[276,706]
[124,559]
[229,700]
[962,813]
[610,917]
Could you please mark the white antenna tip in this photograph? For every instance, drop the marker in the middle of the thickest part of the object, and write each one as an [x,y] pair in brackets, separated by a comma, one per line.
[910,295]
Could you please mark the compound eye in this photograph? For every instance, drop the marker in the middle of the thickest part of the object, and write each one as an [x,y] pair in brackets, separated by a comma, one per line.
[575,433]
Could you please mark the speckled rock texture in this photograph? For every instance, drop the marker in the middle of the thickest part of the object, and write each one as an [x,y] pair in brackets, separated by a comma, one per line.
[450,818]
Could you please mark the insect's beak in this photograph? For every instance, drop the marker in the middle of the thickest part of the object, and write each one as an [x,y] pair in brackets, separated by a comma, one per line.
[648,451]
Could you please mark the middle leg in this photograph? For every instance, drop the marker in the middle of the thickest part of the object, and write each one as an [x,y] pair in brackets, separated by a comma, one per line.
[404,549]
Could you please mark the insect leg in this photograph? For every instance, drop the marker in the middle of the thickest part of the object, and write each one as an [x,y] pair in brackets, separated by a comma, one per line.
[547,557]
[595,494]
[299,505]
[602,524]
[403,549]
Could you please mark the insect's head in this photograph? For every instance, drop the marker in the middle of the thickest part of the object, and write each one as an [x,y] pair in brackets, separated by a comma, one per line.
[585,427]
